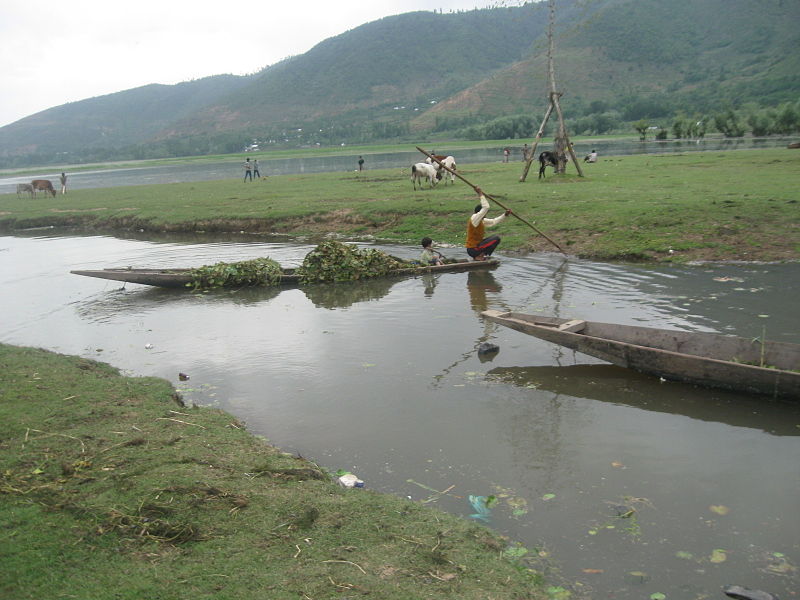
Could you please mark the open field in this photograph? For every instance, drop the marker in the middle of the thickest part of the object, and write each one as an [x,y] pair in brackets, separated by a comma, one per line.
[109,488]
[736,205]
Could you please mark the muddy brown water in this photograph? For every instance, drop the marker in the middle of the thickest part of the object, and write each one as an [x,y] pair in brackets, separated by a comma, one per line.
[383,379]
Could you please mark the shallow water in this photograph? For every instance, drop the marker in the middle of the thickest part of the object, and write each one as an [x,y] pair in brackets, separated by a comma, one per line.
[232,168]
[383,379]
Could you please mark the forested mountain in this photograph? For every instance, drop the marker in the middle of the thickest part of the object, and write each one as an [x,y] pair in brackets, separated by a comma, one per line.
[475,73]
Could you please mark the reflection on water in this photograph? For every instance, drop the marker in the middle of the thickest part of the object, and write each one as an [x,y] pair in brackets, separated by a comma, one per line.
[609,383]
[383,378]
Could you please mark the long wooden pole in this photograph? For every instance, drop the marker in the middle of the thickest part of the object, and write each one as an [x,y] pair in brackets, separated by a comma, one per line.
[495,200]
[532,153]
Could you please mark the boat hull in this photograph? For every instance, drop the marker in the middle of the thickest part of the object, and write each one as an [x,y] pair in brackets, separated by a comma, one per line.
[182,278]
[705,359]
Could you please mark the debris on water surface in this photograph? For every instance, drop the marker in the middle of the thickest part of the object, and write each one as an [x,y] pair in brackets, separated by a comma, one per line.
[487,348]
[481,505]
[183,376]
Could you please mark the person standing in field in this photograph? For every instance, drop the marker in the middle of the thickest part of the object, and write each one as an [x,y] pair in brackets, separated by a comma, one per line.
[248,170]
[478,246]
[506,152]
[63,183]
[360,163]
[256,172]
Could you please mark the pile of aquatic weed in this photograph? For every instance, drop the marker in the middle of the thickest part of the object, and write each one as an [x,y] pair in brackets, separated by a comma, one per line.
[258,271]
[110,488]
[335,261]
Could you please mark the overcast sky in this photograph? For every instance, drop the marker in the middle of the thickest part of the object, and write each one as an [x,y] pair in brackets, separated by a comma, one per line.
[58,51]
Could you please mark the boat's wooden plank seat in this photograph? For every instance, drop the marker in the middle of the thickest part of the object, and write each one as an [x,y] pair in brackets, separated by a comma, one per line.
[573,326]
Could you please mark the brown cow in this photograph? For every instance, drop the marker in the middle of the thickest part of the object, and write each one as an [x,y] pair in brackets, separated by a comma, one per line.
[43,185]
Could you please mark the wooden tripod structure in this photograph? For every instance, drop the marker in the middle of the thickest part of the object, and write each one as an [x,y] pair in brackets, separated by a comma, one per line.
[562,142]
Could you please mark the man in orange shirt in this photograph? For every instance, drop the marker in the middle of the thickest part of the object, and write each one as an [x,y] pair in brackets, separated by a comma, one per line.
[478,246]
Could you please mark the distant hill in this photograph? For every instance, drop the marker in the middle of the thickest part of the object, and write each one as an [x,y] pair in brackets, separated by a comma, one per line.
[410,75]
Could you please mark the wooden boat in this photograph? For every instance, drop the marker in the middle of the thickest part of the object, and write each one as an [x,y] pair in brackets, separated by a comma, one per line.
[793,145]
[705,359]
[182,278]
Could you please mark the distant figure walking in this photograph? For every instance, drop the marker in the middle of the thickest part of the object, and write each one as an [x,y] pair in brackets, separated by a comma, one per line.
[256,172]
[360,163]
[248,170]
[63,183]
[506,152]
[591,157]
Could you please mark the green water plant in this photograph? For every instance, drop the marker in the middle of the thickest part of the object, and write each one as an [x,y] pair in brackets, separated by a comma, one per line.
[335,261]
[258,271]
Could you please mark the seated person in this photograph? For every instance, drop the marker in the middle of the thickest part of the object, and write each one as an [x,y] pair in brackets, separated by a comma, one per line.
[429,256]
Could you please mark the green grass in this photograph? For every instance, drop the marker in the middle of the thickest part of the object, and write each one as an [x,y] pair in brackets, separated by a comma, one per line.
[738,205]
[111,489]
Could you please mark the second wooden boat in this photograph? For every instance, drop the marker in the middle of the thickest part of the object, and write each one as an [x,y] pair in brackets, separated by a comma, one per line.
[707,359]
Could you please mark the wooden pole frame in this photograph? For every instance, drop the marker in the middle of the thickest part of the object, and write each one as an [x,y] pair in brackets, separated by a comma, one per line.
[554,104]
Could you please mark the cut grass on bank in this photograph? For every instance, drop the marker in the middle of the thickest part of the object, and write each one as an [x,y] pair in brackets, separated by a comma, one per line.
[735,205]
[111,489]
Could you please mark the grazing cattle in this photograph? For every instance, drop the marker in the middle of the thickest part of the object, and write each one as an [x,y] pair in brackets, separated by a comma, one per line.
[44,185]
[23,188]
[547,159]
[447,161]
[422,171]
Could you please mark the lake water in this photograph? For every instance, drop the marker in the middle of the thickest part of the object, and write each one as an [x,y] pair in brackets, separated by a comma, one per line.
[232,168]
[383,379]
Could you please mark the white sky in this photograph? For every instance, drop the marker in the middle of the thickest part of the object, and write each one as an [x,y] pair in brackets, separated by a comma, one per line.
[58,51]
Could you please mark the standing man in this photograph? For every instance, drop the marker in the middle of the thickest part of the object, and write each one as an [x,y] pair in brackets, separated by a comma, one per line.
[63,183]
[478,246]
[248,172]
[360,163]
[256,172]
[525,151]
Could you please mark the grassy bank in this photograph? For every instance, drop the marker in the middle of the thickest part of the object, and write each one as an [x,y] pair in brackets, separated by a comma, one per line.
[111,489]
[738,205]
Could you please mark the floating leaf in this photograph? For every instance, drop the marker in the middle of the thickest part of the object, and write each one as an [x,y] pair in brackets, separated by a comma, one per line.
[593,532]
[637,574]
[616,464]
[491,501]
[593,571]
[718,556]
[657,596]
[684,555]
[558,593]
[778,554]
[719,509]
[548,496]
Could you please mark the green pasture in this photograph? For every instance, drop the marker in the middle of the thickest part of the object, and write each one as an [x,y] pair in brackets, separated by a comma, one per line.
[110,488]
[735,205]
